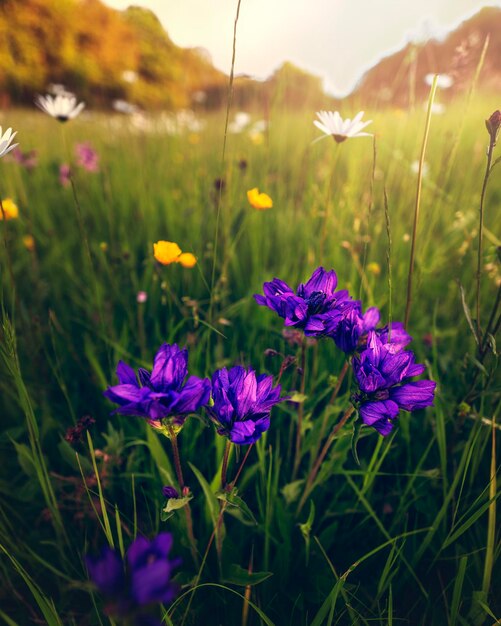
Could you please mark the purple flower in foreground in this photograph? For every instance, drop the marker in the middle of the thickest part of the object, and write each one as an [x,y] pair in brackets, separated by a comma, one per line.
[383,379]
[143,579]
[242,403]
[163,393]
[316,307]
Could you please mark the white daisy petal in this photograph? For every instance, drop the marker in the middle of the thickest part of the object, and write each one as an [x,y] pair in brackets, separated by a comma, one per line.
[331,123]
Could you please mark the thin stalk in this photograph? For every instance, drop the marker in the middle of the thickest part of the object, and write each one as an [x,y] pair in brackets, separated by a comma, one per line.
[492,143]
[388,261]
[224,467]
[491,523]
[418,200]
[213,535]
[83,234]
[300,412]
[187,508]
[223,155]
[316,467]
[333,397]
[369,210]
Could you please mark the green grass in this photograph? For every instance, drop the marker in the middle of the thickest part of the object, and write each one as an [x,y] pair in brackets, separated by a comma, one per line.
[405,537]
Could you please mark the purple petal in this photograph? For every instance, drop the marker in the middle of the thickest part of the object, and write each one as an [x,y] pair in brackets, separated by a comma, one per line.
[169,368]
[372,412]
[371,319]
[125,394]
[413,396]
[320,280]
[126,374]
[106,571]
[192,396]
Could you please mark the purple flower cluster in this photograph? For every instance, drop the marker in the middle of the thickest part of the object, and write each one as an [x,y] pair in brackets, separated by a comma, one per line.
[383,378]
[242,403]
[163,393]
[381,366]
[142,579]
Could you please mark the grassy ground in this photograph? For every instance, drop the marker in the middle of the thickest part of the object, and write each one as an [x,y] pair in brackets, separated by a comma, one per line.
[407,536]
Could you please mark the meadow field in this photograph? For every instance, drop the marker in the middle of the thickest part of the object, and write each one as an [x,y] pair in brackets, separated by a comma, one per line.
[392,530]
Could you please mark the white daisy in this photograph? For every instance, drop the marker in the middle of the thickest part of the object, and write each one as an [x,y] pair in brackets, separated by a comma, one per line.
[63,107]
[331,123]
[6,140]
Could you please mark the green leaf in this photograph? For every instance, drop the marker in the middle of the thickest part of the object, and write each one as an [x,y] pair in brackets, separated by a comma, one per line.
[209,496]
[298,397]
[236,575]
[236,501]
[173,504]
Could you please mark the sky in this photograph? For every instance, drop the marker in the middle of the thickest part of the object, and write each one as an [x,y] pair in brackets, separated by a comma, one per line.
[335,39]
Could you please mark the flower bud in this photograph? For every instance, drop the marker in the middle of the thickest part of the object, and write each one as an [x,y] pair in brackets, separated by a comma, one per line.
[493,124]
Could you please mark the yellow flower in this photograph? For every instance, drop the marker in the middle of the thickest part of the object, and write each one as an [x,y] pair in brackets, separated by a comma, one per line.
[10,210]
[374,268]
[187,259]
[259,201]
[29,242]
[166,252]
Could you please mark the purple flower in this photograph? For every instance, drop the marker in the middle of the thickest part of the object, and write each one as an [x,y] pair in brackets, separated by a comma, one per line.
[151,571]
[242,403]
[163,393]
[383,379]
[170,492]
[143,579]
[354,325]
[87,157]
[316,307]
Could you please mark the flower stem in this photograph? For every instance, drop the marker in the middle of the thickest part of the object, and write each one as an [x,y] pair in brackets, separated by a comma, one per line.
[187,508]
[213,535]
[316,467]
[492,143]
[224,467]
[418,200]
[335,393]
[300,413]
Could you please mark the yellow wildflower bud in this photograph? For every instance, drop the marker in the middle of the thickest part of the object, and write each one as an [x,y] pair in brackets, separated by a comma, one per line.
[187,259]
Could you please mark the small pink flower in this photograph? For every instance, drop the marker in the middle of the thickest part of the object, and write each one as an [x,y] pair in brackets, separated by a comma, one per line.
[141,297]
[64,174]
[87,157]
